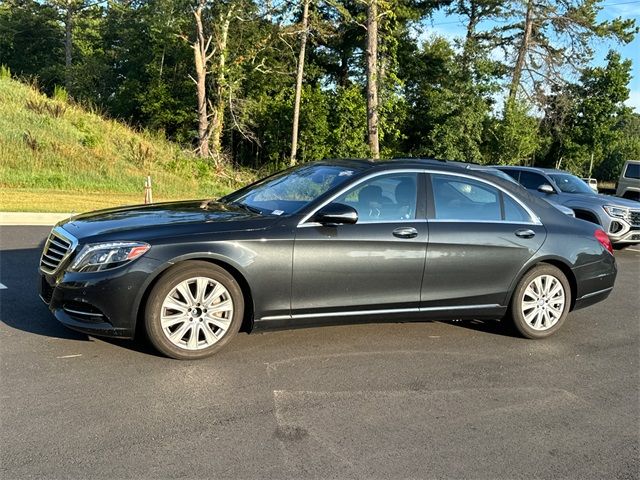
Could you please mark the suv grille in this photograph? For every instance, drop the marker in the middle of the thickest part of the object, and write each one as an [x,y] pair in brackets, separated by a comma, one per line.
[57,249]
[634,218]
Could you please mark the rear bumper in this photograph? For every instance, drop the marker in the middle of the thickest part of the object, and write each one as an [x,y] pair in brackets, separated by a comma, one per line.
[591,298]
[595,281]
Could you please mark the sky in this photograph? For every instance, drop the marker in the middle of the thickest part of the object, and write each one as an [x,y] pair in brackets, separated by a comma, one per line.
[450,26]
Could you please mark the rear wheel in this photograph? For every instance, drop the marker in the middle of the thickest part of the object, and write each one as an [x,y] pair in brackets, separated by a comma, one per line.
[541,302]
[194,310]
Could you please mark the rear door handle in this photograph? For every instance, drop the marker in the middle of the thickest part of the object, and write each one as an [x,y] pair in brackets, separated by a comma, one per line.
[405,232]
[525,233]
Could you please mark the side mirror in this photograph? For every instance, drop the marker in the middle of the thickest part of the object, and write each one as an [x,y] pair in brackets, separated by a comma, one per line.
[336,214]
[546,188]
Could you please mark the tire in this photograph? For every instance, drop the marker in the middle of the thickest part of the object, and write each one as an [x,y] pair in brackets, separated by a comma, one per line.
[179,315]
[623,246]
[540,316]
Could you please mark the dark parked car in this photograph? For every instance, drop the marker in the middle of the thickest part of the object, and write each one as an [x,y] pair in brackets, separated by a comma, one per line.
[619,217]
[327,242]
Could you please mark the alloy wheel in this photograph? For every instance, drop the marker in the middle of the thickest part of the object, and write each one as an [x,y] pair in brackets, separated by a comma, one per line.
[196,313]
[543,302]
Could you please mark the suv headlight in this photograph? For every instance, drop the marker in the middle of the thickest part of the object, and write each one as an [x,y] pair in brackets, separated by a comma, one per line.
[96,257]
[615,211]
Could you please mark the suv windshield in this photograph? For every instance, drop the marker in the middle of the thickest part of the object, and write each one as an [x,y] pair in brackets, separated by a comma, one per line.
[291,190]
[570,183]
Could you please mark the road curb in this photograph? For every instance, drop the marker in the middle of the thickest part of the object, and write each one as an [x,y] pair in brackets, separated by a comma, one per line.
[30,218]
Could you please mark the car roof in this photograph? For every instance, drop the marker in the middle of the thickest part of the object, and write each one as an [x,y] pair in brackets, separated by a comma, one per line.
[410,162]
[359,163]
[531,169]
[365,164]
[431,163]
[480,171]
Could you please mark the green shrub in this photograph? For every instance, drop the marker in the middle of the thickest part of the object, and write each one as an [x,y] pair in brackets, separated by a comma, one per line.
[60,94]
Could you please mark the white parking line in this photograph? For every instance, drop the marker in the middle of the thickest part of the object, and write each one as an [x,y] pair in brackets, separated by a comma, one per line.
[2,287]
[632,249]
[71,356]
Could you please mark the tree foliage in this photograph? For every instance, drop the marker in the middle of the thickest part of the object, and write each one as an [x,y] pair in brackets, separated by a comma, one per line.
[499,94]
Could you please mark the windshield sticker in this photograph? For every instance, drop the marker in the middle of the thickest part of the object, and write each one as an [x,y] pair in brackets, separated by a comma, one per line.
[277,212]
[345,173]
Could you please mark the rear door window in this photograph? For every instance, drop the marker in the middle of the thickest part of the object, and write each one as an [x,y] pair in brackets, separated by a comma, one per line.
[532,180]
[458,198]
[513,211]
[464,199]
[515,174]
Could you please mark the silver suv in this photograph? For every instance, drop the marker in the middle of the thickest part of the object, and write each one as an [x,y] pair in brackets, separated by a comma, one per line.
[629,182]
[619,217]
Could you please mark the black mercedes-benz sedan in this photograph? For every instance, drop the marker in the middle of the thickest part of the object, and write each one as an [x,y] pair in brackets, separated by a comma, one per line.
[328,242]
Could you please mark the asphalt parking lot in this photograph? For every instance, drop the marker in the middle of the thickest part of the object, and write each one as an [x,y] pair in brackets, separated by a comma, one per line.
[397,400]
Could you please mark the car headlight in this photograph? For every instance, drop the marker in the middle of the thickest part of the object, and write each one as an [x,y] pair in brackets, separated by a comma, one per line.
[96,257]
[615,211]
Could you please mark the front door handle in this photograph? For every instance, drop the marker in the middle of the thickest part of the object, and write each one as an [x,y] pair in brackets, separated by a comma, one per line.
[405,232]
[525,233]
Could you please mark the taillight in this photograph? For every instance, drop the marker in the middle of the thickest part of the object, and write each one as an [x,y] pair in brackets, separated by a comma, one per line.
[603,238]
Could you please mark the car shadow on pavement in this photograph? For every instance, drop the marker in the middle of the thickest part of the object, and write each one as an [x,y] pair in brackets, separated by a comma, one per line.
[22,308]
[502,327]
[20,304]
[139,344]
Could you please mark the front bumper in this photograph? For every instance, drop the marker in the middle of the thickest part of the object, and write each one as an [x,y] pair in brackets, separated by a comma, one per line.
[624,230]
[631,236]
[99,303]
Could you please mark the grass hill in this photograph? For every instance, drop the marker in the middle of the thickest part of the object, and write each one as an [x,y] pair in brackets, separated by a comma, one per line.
[56,156]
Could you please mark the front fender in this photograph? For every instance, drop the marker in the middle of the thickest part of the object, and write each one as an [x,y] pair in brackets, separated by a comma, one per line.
[265,265]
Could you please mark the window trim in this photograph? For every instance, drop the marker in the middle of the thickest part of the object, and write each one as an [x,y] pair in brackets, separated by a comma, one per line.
[431,214]
[420,210]
[420,199]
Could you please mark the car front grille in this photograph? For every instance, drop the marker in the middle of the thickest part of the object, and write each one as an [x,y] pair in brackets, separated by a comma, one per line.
[59,246]
[634,218]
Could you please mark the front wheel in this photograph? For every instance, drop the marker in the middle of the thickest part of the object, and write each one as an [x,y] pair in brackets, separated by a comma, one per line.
[194,310]
[541,302]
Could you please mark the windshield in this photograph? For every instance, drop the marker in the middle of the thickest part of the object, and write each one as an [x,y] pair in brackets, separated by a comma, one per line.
[570,183]
[291,190]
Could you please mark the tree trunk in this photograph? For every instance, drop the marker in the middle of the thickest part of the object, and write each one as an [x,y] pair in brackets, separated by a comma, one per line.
[343,75]
[68,44]
[522,52]
[470,35]
[296,103]
[372,78]
[217,120]
[201,57]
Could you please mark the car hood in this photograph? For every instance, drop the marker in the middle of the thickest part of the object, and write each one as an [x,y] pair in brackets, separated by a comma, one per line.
[601,199]
[562,208]
[160,219]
